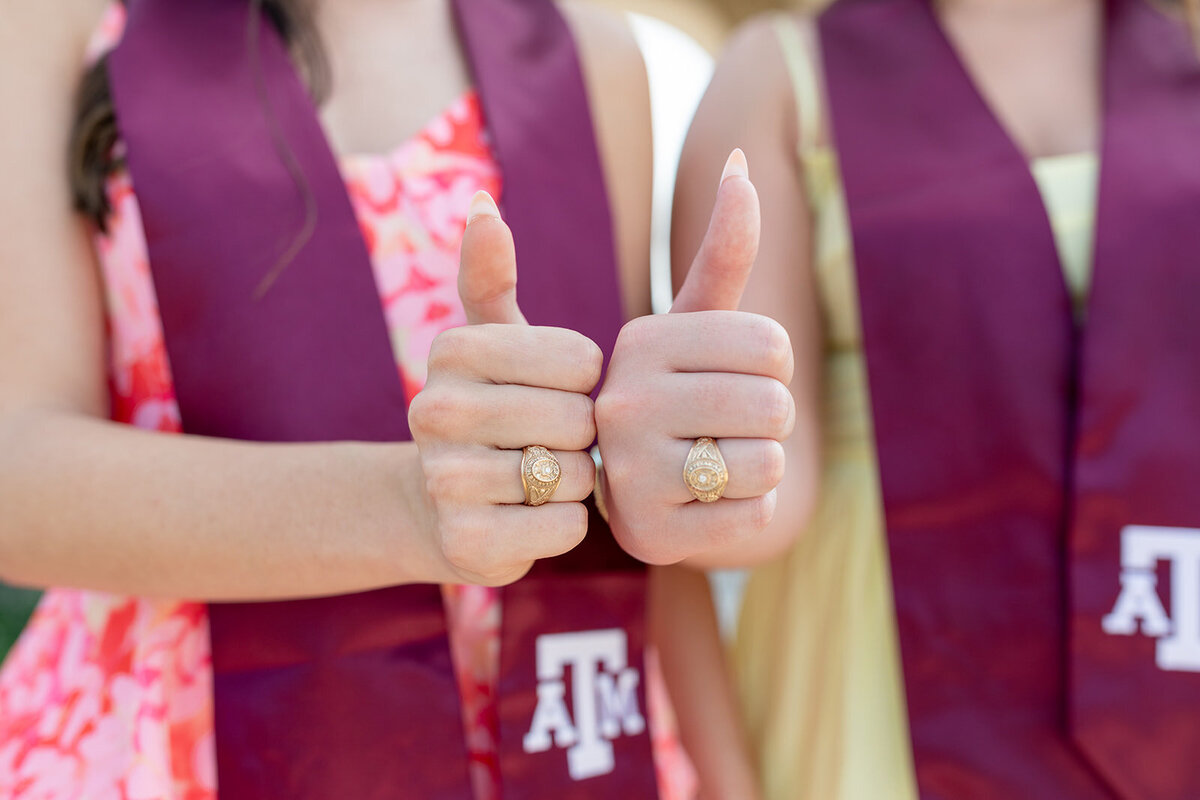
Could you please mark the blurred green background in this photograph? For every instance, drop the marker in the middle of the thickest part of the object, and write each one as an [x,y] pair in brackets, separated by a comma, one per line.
[15,607]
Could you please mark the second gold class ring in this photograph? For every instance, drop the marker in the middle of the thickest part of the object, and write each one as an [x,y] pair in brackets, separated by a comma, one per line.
[540,474]
[704,471]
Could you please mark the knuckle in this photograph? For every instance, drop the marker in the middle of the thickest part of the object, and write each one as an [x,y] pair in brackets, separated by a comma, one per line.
[574,524]
[613,406]
[460,543]
[774,464]
[429,412]
[779,410]
[638,538]
[582,471]
[579,420]
[585,412]
[420,416]
[605,407]
[636,333]
[662,542]
[437,483]
[749,519]
[450,350]
[761,512]
[577,360]
[581,359]
[445,476]
[776,348]
[590,360]
[617,470]
[503,576]
[724,536]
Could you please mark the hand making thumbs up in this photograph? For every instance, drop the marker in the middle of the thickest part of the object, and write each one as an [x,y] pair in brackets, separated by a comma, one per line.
[696,402]
[498,392]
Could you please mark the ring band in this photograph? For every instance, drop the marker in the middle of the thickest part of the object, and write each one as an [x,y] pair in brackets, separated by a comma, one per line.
[704,472]
[540,474]
[598,490]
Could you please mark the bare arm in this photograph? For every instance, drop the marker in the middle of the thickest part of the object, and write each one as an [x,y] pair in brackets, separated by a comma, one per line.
[683,626]
[103,506]
[620,95]
[750,104]
[91,504]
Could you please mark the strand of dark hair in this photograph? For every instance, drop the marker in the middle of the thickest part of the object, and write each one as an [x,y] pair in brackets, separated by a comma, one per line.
[288,156]
[92,156]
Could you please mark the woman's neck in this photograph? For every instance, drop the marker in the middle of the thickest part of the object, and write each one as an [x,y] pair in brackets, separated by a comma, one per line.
[394,66]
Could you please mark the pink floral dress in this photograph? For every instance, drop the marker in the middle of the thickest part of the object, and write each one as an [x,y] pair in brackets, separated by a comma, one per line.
[110,698]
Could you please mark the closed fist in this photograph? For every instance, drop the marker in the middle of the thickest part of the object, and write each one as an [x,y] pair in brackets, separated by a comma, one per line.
[496,386]
[705,369]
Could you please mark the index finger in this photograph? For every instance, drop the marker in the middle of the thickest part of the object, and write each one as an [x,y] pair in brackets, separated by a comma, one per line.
[715,341]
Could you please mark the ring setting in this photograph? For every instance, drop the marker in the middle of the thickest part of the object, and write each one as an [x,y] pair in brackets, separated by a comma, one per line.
[540,474]
[704,472]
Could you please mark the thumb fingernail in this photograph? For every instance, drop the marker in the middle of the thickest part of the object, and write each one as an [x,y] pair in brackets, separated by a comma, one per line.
[736,166]
[482,205]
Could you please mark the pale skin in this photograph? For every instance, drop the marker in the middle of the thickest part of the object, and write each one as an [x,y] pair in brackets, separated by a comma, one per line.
[494,396]
[1009,48]
[91,504]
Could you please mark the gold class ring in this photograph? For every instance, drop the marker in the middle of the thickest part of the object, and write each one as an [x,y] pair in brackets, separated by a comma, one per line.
[540,474]
[704,472]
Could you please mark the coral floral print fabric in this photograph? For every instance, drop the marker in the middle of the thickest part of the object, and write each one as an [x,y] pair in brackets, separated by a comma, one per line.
[110,698]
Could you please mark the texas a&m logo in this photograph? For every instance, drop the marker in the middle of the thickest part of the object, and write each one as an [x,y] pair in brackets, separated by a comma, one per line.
[1142,547]
[603,696]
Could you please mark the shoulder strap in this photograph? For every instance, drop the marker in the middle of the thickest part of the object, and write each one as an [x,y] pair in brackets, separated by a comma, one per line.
[803,72]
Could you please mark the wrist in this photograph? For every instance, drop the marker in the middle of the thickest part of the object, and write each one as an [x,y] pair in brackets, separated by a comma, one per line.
[410,550]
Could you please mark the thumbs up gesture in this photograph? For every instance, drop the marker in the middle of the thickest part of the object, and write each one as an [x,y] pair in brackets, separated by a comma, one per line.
[496,386]
[703,370]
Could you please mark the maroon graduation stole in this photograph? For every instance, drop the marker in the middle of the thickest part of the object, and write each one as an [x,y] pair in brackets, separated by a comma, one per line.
[1040,485]
[355,697]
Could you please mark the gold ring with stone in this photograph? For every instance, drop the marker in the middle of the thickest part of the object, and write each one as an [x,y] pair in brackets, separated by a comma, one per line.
[540,474]
[704,472]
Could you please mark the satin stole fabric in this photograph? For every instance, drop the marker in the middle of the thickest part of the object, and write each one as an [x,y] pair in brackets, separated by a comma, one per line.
[355,696]
[1013,448]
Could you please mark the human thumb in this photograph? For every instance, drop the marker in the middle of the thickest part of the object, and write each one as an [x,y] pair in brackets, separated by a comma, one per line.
[487,271]
[721,268]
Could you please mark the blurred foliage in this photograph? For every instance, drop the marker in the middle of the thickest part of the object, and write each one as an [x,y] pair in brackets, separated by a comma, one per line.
[15,607]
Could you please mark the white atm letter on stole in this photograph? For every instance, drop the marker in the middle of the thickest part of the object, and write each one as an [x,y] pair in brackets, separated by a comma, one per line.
[550,716]
[1142,547]
[604,698]
[617,697]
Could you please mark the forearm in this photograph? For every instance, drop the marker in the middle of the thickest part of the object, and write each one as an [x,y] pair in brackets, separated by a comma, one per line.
[98,505]
[683,626]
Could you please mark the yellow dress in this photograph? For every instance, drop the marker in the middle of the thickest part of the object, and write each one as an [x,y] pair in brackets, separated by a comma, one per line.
[816,657]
